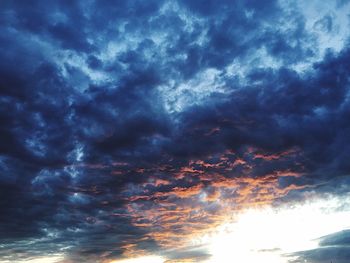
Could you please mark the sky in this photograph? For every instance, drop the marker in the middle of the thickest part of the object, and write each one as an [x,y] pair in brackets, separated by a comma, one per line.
[174,131]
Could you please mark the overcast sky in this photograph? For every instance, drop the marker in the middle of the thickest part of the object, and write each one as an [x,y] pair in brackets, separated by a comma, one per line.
[174,131]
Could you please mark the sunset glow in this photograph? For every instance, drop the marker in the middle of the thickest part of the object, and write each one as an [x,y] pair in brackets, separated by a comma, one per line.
[174,131]
[270,235]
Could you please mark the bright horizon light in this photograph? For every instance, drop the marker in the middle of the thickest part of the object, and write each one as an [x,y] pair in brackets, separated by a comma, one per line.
[268,235]
[265,235]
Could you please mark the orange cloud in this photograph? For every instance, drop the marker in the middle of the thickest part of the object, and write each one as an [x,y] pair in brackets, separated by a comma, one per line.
[205,193]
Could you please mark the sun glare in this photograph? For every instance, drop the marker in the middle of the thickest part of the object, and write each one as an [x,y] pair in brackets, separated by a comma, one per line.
[269,234]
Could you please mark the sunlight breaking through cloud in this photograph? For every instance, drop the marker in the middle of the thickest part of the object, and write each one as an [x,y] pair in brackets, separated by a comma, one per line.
[271,235]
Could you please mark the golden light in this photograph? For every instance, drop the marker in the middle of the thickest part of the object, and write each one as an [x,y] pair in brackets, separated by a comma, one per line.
[267,235]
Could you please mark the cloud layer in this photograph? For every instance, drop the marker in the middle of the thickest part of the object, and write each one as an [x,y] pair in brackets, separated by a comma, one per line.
[129,126]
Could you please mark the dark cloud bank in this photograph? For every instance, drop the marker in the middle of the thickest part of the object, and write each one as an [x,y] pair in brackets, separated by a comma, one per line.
[94,126]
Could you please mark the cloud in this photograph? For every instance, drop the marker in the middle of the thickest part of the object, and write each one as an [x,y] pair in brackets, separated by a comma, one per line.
[334,247]
[128,127]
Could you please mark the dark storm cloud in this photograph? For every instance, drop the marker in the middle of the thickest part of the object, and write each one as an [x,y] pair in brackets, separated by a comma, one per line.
[91,146]
[297,111]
